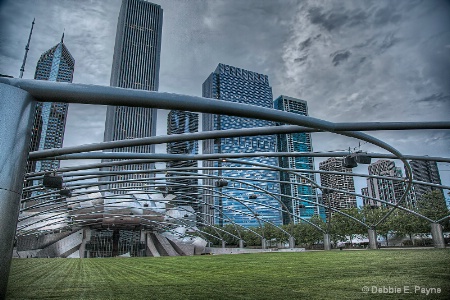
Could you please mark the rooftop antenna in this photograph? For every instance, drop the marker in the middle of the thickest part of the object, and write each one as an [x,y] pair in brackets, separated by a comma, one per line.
[27,47]
[62,38]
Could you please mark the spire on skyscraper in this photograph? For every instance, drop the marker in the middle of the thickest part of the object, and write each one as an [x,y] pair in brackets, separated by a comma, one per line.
[27,47]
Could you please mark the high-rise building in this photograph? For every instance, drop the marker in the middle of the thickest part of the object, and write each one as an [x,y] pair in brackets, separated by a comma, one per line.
[426,171]
[385,189]
[337,199]
[56,64]
[299,189]
[179,183]
[239,201]
[135,65]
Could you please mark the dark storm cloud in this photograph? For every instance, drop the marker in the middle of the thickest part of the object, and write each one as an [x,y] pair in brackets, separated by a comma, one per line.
[385,15]
[373,61]
[301,59]
[329,21]
[340,56]
[336,18]
[435,98]
[305,44]
[388,41]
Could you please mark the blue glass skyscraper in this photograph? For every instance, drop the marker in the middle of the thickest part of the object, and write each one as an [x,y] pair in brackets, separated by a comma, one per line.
[239,201]
[299,189]
[185,188]
[56,64]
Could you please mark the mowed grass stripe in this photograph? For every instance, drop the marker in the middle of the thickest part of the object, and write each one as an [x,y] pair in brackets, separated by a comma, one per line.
[315,275]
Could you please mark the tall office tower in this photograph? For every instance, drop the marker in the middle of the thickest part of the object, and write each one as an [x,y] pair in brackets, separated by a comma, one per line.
[426,171]
[299,189]
[385,189]
[239,201]
[56,64]
[336,199]
[136,66]
[185,188]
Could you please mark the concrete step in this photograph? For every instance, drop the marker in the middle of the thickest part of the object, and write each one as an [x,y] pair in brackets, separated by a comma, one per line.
[151,248]
[64,246]
[163,245]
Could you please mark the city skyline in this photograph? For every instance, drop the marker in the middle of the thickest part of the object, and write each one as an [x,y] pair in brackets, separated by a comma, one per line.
[352,61]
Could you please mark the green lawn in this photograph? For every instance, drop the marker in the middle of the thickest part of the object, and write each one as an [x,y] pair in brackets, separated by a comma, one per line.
[307,275]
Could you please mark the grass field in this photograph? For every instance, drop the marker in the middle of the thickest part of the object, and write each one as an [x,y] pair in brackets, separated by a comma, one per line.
[304,275]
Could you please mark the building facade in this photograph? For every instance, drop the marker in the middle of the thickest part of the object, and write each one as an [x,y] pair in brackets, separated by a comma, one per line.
[383,188]
[135,65]
[239,202]
[426,171]
[300,195]
[337,199]
[56,64]
[185,188]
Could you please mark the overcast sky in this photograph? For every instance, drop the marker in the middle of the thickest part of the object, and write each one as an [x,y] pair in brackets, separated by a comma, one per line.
[352,61]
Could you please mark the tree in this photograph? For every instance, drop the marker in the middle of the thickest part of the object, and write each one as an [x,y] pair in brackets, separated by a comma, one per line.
[372,215]
[211,234]
[408,224]
[250,238]
[307,234]
[229,238]
[433,206]
[343,226]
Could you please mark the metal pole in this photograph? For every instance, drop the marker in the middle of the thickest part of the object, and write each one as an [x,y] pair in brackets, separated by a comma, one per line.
[326,242]
[372,239]
[16,118]
[438,237]
[291,242]
[263,243]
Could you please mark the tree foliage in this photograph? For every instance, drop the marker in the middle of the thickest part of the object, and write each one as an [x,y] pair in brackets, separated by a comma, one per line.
[400,222]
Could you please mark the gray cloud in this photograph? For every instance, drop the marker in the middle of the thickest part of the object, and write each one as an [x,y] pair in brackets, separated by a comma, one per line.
[301,59]
[386,15]
[340,56]
[329,21]
[435,98]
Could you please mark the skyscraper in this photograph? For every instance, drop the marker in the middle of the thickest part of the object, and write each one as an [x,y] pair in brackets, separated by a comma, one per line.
[239,201]
[338,200]
[135,65]
[56,64]
[427,171]
[299,188]
[385,189]
[185,188]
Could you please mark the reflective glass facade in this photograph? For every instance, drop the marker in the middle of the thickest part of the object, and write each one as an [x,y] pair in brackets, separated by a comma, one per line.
[56,64]
[427,171]
[296,142]
[233,84]
[179,122]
